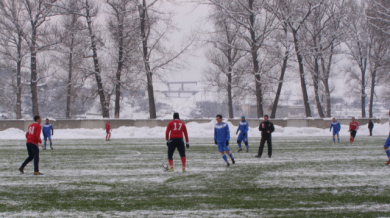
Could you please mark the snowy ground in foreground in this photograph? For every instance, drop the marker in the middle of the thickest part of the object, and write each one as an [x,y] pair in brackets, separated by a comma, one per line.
[306,177]
[195,130]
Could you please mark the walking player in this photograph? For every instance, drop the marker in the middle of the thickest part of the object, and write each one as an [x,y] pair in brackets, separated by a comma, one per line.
[266,128]
[47,131]
[387,145]
[33,136]
[353,127]
[370,126]
[335,125]
[221,138]
[108,131]
[243,127]
[174,137]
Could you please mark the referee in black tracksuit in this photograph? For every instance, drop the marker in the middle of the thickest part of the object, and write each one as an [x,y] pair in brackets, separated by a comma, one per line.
[266,128]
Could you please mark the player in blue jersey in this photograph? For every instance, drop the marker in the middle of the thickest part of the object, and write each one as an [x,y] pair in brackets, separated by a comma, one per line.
[387,144]
[221,138]
[243,128]
[335,125]
[48,131]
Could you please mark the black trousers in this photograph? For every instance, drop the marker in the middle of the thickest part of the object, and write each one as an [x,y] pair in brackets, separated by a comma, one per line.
[173,144]
[370,132]
[269,143]
[33,154]
[353,133]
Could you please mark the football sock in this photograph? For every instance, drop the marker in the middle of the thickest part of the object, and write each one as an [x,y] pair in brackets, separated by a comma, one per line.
[239,144]
[388,152]
[231,155]
[350,140]
[44,144]
[247,147]
[334,140]
[183,161]
[170,163]
[338,139]
[225,158]
[51,144]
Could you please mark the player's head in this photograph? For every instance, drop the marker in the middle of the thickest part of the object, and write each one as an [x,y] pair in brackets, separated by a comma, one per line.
[219,118]
[37,119]
[353,119]
[334,119]
[176,115]
[266,117]
[242,117]
[47,120]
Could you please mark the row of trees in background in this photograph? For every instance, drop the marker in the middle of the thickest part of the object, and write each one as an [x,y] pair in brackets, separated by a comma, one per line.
[81,49]
[255,43]
[99,49]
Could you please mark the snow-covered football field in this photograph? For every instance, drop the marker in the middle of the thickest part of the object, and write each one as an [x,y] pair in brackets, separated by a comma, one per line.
[307,176]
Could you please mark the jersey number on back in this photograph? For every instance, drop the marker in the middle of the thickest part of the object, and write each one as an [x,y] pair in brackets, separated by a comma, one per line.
[31,130]
[180,125]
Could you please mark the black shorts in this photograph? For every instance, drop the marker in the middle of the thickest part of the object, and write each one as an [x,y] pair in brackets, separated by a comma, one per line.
[173,144]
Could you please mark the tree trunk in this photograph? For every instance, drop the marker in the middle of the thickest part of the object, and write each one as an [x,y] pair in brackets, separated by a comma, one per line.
[149,75]
[363,86]
[19,79]
[315,78]
[302,75]
[119,72]
[69,86]
[34,76]
[103,103]
[230,98]
[256,68]
[325,81]
[372,93]
[280,84]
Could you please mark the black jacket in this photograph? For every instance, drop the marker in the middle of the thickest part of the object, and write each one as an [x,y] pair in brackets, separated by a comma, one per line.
[370,125]
[264,127]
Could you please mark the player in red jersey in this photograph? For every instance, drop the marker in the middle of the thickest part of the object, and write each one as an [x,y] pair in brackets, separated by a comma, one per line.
[353,127]
[108,131]
[33,136]
[174,137]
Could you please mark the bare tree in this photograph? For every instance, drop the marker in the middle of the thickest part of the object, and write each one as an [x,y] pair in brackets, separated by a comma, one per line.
[225,55]
[359,49]
[38,13]
[13,47]
[122,26]
[295,13]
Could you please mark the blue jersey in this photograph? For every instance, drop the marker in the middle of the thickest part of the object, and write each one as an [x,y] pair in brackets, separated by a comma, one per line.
[243,127]
[221,132]
[46,129]
[336,126]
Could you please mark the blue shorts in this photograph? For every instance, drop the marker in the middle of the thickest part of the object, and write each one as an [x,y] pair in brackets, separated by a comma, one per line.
[223,147]
[242,138]
[387,143]
[336,132]
[47,137]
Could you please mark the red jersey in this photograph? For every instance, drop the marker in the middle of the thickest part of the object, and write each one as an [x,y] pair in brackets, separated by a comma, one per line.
[33,134]
[175,130]
[108,127]
[353,126]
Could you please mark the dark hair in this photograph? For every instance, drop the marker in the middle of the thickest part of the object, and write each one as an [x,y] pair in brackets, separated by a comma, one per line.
[219,115]
[36,117]
[176,115]
[47,118]
[266,115]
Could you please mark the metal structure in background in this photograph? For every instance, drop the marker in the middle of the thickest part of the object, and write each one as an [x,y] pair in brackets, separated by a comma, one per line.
[181,92]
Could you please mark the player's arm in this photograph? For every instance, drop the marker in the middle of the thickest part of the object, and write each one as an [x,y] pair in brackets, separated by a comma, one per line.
[167,131]
[185,132]
[52,130]
[227,133]
[260,128]
[272,128]
[330,128]
[215,135]
[37,135]
[246,128]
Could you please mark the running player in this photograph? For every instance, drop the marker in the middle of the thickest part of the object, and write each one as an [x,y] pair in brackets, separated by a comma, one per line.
[243,127]
[47,131]
[221,138]
[108,131]
[335,125]
[33,136]
[174,136]
[387,145]
[353,127]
